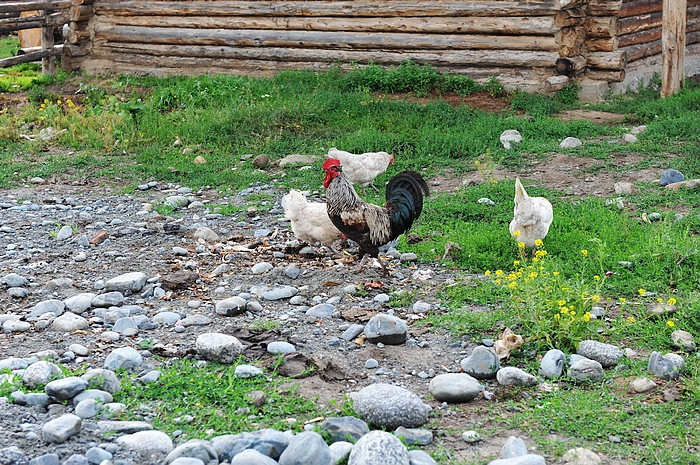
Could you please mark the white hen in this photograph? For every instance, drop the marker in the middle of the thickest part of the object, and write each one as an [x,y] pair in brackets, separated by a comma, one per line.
[362,168]
[309,220]
[532,216]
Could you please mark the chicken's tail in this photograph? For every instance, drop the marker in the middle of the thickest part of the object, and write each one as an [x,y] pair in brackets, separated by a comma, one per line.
[404,200]
[520,193]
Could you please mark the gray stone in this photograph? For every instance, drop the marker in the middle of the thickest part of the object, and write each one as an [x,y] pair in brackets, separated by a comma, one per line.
[108,299]
[683,340]
[630,138]
[69,322]
[340,451]
[606,354]
[418,457]
[123,427]
[552,364]
[663,367]
[471,436]
[17,292]
[166,318]
[571,143]
[247,371]
[280,347]
[512,376]
[102,379]
[353,331]
[306,448]
[379,447]
[231,307]
[509,138]
[66,232]
[454,387]
[581,456]
[79,303]
[16,326]
[65,388]
[128,282]
[321,311]
[344,428]
[206,234]
[529,459]
[292,271]
[280,292]
[414,436]
[86,408]
[61,428]
[45,459]
[513,447]
[48,306]
[123,357]
[260,268]
[642,385]
[176,201]
[97,395]
[147,441]
[386,329]
[15,280]
[483,363]
[586,369]
[252,457]
[388,406]
[40,373]
[194,448]
[671,176]
[219,347]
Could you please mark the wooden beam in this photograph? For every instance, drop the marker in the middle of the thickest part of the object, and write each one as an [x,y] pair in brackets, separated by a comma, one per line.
[343,8]
[672,46]
[17,7]
[30,57]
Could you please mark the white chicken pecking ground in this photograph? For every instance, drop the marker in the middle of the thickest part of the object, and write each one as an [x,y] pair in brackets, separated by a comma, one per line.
[532,217]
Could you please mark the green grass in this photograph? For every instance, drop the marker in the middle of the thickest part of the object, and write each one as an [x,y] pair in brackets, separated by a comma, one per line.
[124,129]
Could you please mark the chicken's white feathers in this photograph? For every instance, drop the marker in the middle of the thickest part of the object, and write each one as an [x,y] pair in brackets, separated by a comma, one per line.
[309,220]
[362,168]
[532,216]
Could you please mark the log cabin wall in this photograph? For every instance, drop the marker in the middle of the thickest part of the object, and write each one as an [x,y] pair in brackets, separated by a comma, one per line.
[532,44]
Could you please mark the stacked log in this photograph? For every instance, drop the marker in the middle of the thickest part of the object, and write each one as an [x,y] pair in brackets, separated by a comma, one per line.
[78,43]
[514,39]
[605,61]
[640,27]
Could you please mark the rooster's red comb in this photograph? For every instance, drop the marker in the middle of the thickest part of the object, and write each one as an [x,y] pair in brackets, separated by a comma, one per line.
[330,162]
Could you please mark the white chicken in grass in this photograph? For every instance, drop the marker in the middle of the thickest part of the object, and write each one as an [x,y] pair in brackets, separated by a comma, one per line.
[309,220]
[362,168]
[532,217]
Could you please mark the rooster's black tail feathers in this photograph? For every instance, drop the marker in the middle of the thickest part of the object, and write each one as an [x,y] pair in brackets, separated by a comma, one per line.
[404,200]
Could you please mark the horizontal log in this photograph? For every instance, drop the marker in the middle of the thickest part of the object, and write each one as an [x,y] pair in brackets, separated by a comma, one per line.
[602,44]
[570,66]
[602,26]
[639,23]
[641,51]
[81,50]
[31,56]
[352,9]
[8,25]
[77,35]
[692,38]
[603,7]
[71,63]
[81,12]
[606,75]
[83,2]
[555,83]
[322,39]
[17,7]
[639,7]
[566,51]
[445,58]
[640,37]
[513,25]
[607,60]
[566,4]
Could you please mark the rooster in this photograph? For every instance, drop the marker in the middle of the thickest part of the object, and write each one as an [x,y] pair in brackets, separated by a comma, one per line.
[362,168]
[372,226]
[309,220]
[532,217]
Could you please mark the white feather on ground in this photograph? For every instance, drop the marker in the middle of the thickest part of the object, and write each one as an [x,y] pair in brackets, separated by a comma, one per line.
[532,216]
[309,220]
[362,168]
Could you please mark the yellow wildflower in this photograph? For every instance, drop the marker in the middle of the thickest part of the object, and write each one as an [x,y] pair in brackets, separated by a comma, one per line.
[499,273]
[573,313]
[642,291]
[516,233]
[596,299]
[498,281]
[512,285]
[561,302]
[670,323]
[622,300]
[521,245]
[487,272]
[660,300]
[587,316]
[58,102]
[539,243]
[556,316]
[555,273]
[596,277]
[672,301]
[564,310]
[532,275]
[516,262]
[584,252]
[540,253]
[630,319]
